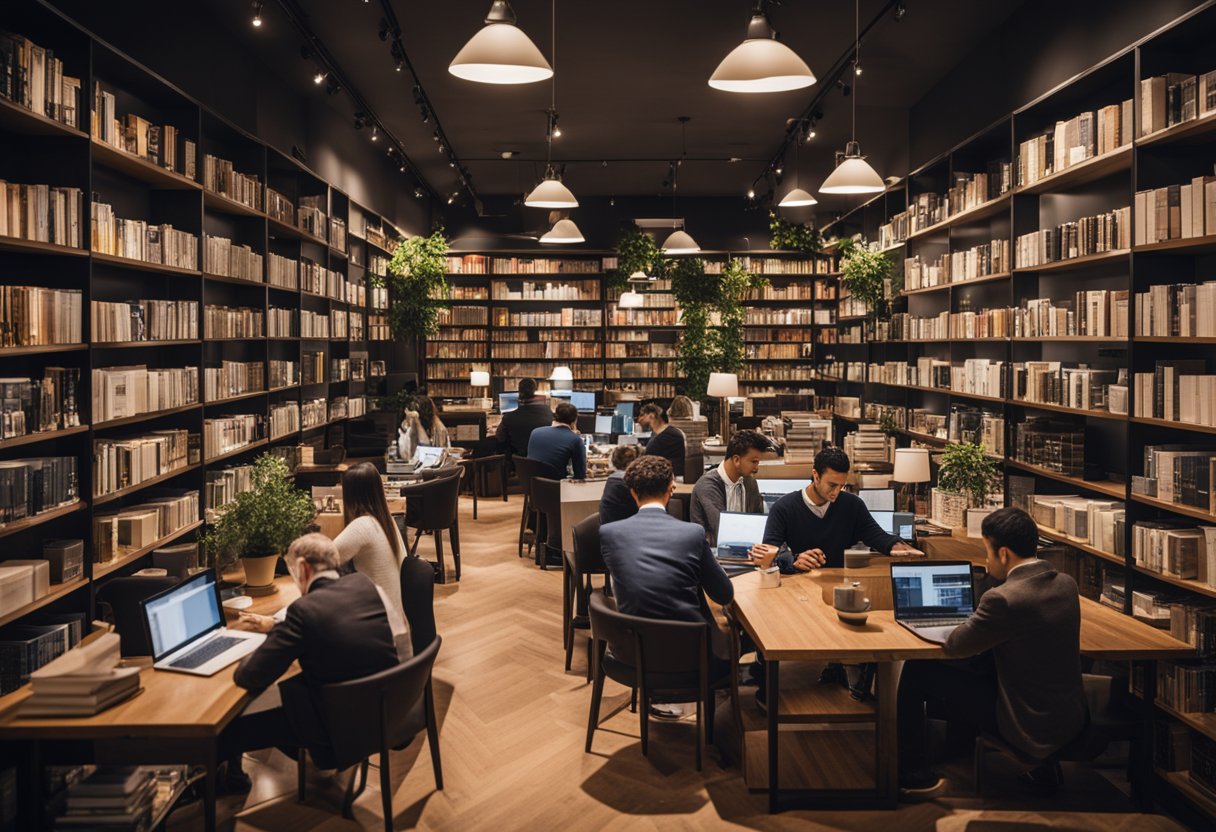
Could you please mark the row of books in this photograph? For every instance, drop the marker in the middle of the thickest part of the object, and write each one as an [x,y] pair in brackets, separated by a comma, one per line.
[971,264]
[339,320]
[469,315]
[338,408]
[339,369]
[1109,231]
[282,271]
[280,207]
[1057,444]
[658,300]
[977,376]
[33,485]
[464,293]
[1177,310]
[318,280]
[312,367]
[1098,523]
[1094,312]
[220,177]
[222,486]
[140,240]
[550,349]
[640,350]
[566,317]
[222,257]
[529,290]
[850,307]
[122,463]
[1179,391]
[755,373]
[1176,549]
[1070,142]
[313,412]
[41,213]
[314,325]
[233,322]
[229,433]
[284,373]
[1178,474]
[356,407]
[773,317]
[37,316]
[1176,211]
[782,265]
[119,392]
[378,297]
[1170,99]
[487,264]
[772,352]
[382,237]
[233,378]
[29,405]
[902,326]
[1188,688]
[26,647]
[115,533]
[281,322]
[163,145]
[337,233]
[1053,382]
[358,332]
[32,77]
[475,351]
[284,419]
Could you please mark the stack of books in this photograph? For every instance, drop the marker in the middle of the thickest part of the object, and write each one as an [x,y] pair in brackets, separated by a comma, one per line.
[82,682]
[111,797]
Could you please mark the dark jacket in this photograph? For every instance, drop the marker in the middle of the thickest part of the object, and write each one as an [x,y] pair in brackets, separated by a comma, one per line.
[669,443]
[709,500]
[791,523]
[659,566]
[558,447]
[516,427]
[617,502]
[1032,625]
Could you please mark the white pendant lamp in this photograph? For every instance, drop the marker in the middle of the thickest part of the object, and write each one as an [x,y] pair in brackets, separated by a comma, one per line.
[853,174]
[500,53]
[551,193]
[761,63]
[639,277]
[797,198]
[680,242]
[631,300]
[563,232]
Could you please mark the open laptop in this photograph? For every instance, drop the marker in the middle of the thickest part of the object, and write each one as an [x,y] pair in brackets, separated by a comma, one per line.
[774,490]
[186,629]
[932,598]
[737,533]
[508,402]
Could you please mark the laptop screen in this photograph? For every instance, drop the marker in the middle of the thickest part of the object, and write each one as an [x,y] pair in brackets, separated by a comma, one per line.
[774,490]
[932,590]
[898,523]
[507,402]
[738,532]
[626,409]
[878,499]
[603,424]
[183,613]
[428,456]
[584,401]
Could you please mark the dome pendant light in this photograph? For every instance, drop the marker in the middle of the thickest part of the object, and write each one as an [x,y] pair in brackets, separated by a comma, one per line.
[500,53]
[853,174]
[639,277]
[563,232]
[679,241]
[761,63]
[551,193]
[797,198]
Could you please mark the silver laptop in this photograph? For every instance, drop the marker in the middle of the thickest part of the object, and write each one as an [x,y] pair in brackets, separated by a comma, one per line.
[185,626]
[932,598]
[737,533]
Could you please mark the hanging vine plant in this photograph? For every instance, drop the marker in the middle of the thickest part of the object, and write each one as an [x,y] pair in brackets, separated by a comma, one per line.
[418,285]
[864,272]
[637,251]
[790,236]
[696,293]
[736,284]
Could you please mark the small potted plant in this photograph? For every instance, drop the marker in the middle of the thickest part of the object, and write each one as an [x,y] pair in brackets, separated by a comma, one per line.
[864,273]
[258,526]
[965,478]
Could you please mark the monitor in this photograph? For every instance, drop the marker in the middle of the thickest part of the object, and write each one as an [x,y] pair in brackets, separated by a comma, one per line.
[932,590]
[507,402]
[878,499]
[584,401]
[603,424]
[626,409]
[737,533]
[182,614]
[774,490]
[898,523]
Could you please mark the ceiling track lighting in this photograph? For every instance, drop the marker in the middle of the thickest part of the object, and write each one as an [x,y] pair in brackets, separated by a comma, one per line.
[257,13]
[318,77]
[500,52]
[375,133]
[761,63]
[900,11]
[853,174]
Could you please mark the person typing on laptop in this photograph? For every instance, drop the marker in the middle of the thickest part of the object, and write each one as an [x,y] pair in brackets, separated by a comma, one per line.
[1026,684]
[732,485]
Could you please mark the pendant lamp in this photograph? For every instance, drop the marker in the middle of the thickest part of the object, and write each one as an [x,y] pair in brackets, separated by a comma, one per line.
[853,174]
[639,277]
[679,241]
[500,53]
[551,193]
[761,63]
[563,232]
[631,300]
[797,197]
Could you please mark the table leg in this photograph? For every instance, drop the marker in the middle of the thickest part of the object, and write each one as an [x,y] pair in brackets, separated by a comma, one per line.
[772,672]
[209,788]
[1139,765]
[886,762]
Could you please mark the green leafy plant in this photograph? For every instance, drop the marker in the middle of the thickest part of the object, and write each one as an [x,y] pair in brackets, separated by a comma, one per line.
[966,469]
[637,251]
[736,284]
[261,521]
[696,356]
[864,272]
[790,236]
[418,285]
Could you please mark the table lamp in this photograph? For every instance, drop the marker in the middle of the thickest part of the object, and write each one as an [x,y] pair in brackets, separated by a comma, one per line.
[562,378]
[912,467]
[723,386]
[631,300]
[480,378]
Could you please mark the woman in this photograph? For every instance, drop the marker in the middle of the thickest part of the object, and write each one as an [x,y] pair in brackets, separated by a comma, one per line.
[421,426]
[371,538]
[680,408]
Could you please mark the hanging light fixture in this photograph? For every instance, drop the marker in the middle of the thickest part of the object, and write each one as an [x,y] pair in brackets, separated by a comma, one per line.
[639,277]
[500,53]
[853,174]
[679,241]
[563,232]
[551,193]
[761,63]
[797,197]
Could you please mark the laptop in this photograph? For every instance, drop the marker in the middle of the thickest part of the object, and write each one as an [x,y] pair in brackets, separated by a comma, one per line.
[774,490]
[932,598]
[185,627]
[899,523]
[878,499]
[603,424]
[583,401]
[737,533]
[508,402]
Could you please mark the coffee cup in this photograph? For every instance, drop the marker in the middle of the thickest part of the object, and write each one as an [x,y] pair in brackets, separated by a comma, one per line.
[763,554]
[850,599]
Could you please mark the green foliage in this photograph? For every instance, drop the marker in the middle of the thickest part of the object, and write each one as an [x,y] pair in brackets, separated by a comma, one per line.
[736,284]
[418,285]
[864,272]
[793,237]
[696,357]
[637,251]
[966,469]
[713,317]
[263,521]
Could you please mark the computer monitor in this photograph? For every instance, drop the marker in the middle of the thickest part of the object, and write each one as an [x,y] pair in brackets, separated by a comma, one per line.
[878,499]
[584,401]
[507,402]
[774,490]
[603,424]
[627,409]
[898,523]
[182,614]
[932,590]
[737,533]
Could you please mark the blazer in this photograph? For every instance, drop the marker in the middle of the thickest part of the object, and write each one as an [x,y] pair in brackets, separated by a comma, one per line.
[660,566]
[516,427]
[709,500]
[617,502]
[1032,625]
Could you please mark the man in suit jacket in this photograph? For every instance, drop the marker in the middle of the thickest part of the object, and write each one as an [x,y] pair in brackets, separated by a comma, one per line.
[516,427]
[617,503]
[559,445]
[732,485]
[1031,690]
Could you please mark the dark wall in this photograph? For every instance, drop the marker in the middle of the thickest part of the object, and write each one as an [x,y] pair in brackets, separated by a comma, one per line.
[1043,44]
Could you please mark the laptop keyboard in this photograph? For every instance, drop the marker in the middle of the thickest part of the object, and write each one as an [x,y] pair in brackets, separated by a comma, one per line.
[922,623]
[204,654]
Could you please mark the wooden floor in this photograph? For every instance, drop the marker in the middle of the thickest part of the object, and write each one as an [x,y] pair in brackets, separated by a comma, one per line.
[512,732]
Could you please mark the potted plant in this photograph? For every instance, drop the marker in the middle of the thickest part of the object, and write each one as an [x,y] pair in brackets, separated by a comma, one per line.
[637,251]
[258,526]
[864,273]
[965,478]
[790,236]
[418,285]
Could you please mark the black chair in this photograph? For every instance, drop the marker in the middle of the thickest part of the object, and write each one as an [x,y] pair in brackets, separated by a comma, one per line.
[525,470]
[478,468]
[586,560]
[547,500]
[418,598]
[373,715]
[123,596]
[666,661]
[433,506]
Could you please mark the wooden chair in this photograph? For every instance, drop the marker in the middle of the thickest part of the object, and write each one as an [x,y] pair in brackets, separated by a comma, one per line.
[478,481]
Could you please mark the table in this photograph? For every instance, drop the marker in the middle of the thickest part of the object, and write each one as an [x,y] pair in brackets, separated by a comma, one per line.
[175,718]
[796,622]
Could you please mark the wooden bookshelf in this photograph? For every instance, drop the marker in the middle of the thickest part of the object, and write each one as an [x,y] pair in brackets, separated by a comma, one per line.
[16,244]
[1170,423]
[1107,487]
[100,570]
[988,278]
[1091,170]
[1074,262]
[145,417]
[17,119]
[41,436]
[979,212]
[103,499]
[42,517]
[142,265]
[141,169]
[1176,508]
[1083,545]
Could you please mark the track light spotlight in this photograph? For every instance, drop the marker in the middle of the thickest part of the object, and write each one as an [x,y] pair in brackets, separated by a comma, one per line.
[375,133]
[452,198]
[900,11]
[778,170]
[426,115]
[810,134]
[257,13]
[856,69]
[318,78]
[442,149]
[751,193]
[383,29]
[419,193]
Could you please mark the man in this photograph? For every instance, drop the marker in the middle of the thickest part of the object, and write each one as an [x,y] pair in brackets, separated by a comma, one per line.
[815,525]
[665,441]
[516,427]
[617,503]
[559,444]
[732,485]
[1031,692]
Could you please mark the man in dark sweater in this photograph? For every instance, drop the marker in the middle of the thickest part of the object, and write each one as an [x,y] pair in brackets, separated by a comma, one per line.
[516,427]
[617,503]
[559,444]
[665,440]
[815,525]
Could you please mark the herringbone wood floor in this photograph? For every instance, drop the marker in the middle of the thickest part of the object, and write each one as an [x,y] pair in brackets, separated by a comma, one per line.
[512,735]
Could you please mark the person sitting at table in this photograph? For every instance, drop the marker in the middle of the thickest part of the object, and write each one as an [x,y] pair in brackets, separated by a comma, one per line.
[371,538]
[680,408]
[732,485]
[340,628]
[559,444]
[816,524]
[617,503]
[665,441]
[1028,687]
[421,426]
[516,426]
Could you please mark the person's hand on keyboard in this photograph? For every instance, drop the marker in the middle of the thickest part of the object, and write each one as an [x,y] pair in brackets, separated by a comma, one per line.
[253,623]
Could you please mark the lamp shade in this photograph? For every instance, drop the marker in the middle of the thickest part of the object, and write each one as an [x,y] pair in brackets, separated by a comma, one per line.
[563,232]
[479,378]
[500,52]
[561,374]
[761,63]
[631,300]
[680,242]
[722,385]
[853,175]
[911,465]
[797,198]
[551,193]
[639,277]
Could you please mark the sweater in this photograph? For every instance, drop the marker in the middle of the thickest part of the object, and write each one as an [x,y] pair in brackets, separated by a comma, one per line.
[793,525]
[559,447]
[709,501]
[617,502]
[669,443]
[363,541]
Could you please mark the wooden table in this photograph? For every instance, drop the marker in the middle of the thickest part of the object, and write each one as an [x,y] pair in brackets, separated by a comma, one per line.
[175,718]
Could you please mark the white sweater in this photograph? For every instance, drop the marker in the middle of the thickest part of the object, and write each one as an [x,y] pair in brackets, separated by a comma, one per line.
[364,542]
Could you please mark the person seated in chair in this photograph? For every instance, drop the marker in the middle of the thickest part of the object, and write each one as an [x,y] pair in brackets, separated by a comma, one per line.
[1027,684]
[732,485]
[421,427]
[560,444]
[617,503]
[516,426]
[665,441]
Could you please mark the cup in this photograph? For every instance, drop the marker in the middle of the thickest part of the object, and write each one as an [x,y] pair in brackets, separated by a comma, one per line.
[851,603]
[763,554]
[770,578]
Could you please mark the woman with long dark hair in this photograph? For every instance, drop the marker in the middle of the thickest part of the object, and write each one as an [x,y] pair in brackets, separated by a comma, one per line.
[371,538]
[421,426]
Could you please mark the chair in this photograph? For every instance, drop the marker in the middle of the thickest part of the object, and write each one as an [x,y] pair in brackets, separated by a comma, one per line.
[478,468]
[433,506]
[123,597]
[547,501]
[372,715]
[418,598]
[666,661]
[524,469]
[586,560]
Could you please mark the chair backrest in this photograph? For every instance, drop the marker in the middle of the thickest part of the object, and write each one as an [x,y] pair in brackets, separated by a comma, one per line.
[364,715]
[123,597]
[451,470]
[547,496]
[667,647]
[433,504]
[418,598]
[588,557]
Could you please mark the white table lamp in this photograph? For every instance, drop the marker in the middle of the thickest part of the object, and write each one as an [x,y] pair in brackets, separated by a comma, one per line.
[562,378]
[480,379]
[723,386]
[912,467]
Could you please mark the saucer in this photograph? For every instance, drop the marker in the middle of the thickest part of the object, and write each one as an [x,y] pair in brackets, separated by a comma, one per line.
[239,602]
[853,617]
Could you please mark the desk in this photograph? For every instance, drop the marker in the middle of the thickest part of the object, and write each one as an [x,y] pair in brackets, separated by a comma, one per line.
[796,622]
[175,718]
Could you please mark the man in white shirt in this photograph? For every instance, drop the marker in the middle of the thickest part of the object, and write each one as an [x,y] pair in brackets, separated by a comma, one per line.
[732,485]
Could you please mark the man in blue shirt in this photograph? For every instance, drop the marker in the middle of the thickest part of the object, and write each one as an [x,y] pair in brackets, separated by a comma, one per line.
[559,444]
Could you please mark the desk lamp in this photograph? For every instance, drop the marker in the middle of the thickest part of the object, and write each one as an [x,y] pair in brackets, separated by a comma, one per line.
[912,468]
[723,386]
[562,378]
[480,378]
